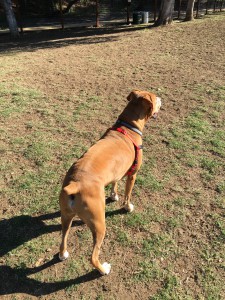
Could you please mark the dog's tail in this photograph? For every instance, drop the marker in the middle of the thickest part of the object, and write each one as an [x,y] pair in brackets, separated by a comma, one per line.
[72,188]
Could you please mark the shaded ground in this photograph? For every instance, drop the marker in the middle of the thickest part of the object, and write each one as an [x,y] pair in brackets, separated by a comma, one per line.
[59,92]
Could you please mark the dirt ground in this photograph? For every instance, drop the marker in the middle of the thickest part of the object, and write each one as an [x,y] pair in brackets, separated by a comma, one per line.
[103,65]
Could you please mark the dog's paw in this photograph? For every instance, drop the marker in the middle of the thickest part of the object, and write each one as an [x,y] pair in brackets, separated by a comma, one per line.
[114,197]
[105,268]
[64,256]
[129,207]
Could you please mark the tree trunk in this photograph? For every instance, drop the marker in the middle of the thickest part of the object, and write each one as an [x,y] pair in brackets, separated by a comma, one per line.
[70,4]
[7,4]
[165,13]
[190,11]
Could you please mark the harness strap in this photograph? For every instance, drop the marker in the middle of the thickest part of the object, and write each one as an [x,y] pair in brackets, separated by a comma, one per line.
[136,148]
[122,123]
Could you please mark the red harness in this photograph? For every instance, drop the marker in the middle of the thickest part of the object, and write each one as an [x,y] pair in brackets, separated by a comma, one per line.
[136,148]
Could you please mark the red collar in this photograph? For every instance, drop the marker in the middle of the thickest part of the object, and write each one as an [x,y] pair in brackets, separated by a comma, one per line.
[136,148]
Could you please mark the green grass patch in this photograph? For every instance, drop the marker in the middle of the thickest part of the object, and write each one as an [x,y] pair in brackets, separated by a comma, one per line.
[169,289]
[147,271]
[123,237]
[136,220]
[148,181]
[158,246]
[15,99]
[211,165]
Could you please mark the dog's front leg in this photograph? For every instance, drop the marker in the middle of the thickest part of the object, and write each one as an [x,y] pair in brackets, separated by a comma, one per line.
[129,186]
[114,195]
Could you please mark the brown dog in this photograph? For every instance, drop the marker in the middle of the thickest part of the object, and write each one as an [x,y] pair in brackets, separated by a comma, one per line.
[116,154]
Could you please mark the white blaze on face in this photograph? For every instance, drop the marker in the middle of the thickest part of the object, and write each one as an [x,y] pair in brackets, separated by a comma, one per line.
[158,103]
[157,107]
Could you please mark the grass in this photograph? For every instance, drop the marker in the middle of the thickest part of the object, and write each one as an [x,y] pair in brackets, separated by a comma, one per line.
[16,99]
[40,151]
[170,247]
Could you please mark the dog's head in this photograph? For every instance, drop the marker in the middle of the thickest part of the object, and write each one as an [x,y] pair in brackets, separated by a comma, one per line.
[149,101]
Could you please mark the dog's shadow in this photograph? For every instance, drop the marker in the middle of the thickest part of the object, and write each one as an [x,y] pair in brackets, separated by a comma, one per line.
[20,229]
[15,280]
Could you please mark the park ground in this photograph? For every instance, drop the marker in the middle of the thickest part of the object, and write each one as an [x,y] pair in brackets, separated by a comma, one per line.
[60,90]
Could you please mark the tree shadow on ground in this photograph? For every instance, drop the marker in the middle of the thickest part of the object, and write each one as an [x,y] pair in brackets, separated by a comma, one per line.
[20,229]
[33,41]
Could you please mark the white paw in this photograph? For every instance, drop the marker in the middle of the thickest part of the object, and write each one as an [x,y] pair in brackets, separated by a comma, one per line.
[114,197]
[64,256]
[129,207]
[106,267]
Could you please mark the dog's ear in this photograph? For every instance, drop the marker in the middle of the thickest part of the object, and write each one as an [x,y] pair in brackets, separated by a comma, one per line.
[133,95]
[150,104]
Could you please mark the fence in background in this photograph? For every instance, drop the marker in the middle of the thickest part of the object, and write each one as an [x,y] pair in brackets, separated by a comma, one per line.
[32,13]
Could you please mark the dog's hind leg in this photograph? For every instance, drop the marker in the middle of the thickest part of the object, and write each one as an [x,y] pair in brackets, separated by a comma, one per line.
[94,217]
[67,201]
[98,236]
[129,186]
[66,224]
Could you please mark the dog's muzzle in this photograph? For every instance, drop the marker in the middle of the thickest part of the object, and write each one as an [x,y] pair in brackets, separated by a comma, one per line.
[158,106]
[158,103]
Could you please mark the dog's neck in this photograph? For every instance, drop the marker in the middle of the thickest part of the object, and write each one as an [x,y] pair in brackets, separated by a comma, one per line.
[133,119]
[136,114]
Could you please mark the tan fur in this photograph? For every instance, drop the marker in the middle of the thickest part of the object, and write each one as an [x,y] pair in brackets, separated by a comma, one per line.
[105,162]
